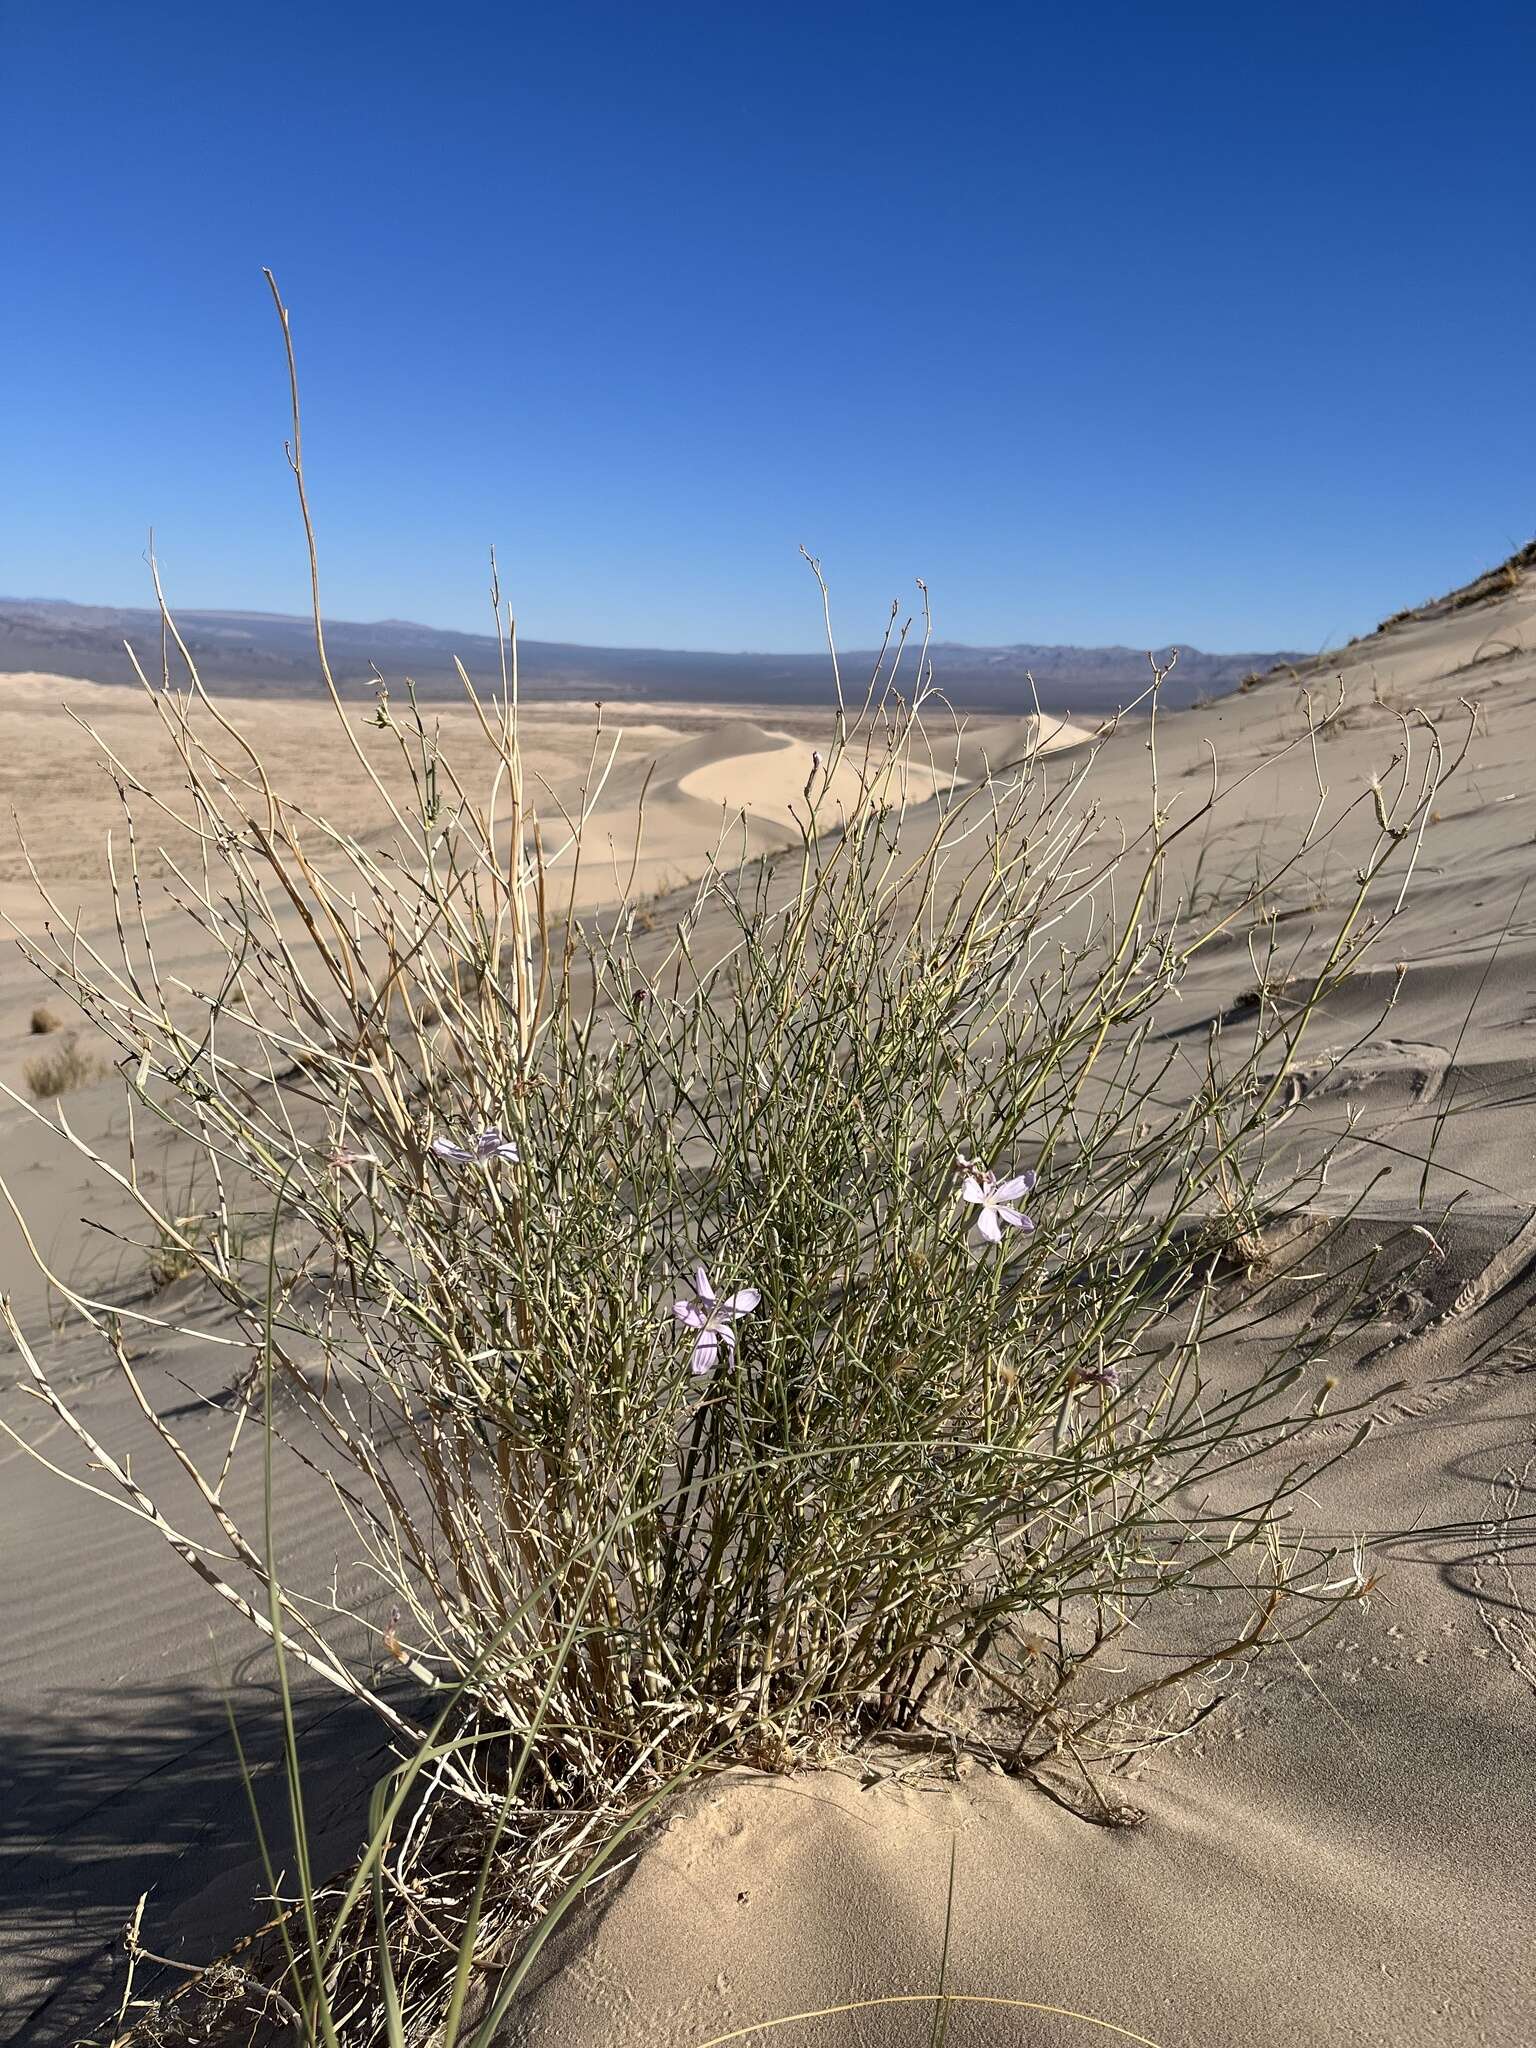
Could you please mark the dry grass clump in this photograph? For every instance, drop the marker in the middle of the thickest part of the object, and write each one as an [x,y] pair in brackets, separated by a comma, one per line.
[57,1072]
[1494,583]
[42,1021]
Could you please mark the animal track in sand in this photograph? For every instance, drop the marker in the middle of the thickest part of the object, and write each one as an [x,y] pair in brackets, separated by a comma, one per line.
[1501,1272]
[1512,1626]
[1424,1064]
[1399,1403]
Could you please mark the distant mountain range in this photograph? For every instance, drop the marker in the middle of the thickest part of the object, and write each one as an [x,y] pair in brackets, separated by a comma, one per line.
[266,651]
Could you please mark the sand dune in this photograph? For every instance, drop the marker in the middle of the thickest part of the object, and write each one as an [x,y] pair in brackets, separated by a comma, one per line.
[997,744]
[1341,1855]
[772,772]
[743,788]
[716,784]
[773,776]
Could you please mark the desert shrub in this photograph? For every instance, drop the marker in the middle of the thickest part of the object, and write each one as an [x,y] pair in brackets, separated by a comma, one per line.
[57,1072]
[41,1022]
[735,1328]
[838,1252]
[902,1442]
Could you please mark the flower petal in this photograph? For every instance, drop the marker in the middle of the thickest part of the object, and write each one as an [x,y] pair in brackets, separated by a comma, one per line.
[724,1332]
[690,1313]
[446,1149]
[742,1303]
[972,1189]
[706,1352]
[988,1224]
[1021,1184]
[701,1282]
[1014,1217]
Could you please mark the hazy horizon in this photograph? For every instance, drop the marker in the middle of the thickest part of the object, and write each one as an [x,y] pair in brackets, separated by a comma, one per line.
[485,630]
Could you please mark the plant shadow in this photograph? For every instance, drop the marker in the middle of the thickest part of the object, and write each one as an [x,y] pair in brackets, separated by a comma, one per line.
[140,1792]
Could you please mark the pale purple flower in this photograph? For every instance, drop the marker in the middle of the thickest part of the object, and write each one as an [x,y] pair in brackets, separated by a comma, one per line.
[483,1147]
[712,1319]
[995,1199]
[1102,1375]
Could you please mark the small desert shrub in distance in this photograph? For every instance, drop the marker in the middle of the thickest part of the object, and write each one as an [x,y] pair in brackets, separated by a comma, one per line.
[183,1243]
[57,1072]
[42,1021]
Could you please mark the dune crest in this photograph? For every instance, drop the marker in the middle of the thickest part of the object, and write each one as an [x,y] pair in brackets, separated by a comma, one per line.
[775,776]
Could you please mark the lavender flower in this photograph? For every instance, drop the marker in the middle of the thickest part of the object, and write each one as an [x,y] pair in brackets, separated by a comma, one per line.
[995,1198]
[712,1319]
[1102,1375]
[485,1146]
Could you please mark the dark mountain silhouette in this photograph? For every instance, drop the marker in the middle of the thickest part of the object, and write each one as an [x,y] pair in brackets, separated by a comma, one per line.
[267,651]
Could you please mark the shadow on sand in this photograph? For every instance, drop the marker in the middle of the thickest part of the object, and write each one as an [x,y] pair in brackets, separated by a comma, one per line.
[140,1791]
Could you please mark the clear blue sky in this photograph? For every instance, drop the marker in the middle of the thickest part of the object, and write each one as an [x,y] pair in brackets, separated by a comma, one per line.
[1115,323]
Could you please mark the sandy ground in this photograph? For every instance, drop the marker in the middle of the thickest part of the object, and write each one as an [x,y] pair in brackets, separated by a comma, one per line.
[1341,1855]
[665,791]
[63,794]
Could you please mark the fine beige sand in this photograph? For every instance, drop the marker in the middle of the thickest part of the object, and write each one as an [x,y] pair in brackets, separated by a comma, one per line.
[1342,1854]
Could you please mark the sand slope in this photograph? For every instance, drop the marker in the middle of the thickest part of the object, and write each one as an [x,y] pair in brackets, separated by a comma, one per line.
[1343,1854]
